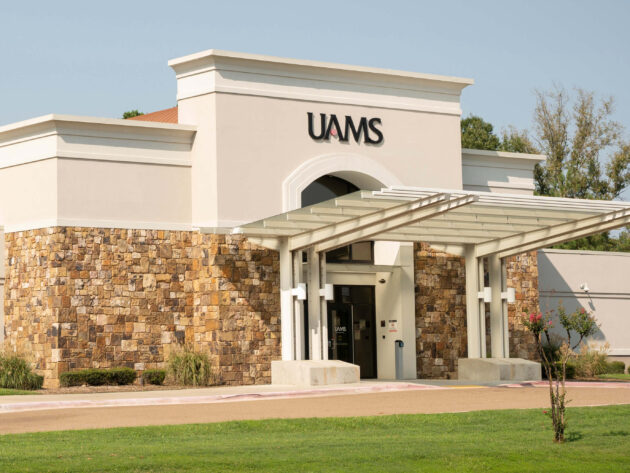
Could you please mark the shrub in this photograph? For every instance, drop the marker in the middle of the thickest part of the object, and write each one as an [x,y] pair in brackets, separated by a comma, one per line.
[16,373]
[591,361]
[154,376]
[570,369]
[615,367]
[190,368]
[97,377]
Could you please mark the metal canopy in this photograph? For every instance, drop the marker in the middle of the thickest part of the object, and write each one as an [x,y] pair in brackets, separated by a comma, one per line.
[496,224]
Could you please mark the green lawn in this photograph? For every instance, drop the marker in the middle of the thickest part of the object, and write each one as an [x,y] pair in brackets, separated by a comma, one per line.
[13,392]
[621,376]
[505,441]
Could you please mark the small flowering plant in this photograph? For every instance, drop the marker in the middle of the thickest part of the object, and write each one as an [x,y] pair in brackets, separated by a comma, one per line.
[580,323]
[537,323]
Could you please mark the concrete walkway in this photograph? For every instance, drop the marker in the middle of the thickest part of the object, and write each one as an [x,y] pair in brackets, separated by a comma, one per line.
[84,411]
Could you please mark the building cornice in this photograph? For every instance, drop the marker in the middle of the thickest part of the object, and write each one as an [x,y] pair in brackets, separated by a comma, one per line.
[194,62]
[97,121]
[215,71]
[505,155]
[96,139]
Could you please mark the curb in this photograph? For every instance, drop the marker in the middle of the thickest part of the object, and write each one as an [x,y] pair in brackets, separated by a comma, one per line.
[210,399]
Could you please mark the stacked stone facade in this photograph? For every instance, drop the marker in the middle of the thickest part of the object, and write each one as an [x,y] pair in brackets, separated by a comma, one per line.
[85,297]
[441,337]
[522,274]
[440,312]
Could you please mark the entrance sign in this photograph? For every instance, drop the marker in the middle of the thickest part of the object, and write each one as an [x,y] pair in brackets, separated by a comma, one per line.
[328,127]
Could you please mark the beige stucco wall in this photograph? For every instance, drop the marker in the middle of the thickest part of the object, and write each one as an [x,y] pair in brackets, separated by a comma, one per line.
[119,194]
[261,141]
[253,154]
[607,274]
[72,171]
[28,193]
[499,171]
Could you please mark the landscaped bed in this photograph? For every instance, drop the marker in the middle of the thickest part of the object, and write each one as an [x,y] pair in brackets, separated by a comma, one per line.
[507,441]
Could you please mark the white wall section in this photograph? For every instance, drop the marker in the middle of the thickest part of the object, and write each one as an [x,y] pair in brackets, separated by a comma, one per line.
[607,276]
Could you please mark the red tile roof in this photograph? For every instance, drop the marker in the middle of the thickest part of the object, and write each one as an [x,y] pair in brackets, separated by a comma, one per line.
[164,116]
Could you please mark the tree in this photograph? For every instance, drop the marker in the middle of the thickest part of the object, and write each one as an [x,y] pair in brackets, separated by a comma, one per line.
[517,141]
[579,322]
[131,114]
[478,134]
[577,136]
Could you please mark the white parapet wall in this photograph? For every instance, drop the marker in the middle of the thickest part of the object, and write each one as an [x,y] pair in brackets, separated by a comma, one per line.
[499,171]
[60,170]
[595,280]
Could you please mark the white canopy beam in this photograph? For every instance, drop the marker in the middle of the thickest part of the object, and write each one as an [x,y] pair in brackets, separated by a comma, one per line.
[559,233]
[307,239]
[401,219]
[555,240]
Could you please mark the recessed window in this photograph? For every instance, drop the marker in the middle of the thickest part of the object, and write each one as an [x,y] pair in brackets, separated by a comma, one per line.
[361,252]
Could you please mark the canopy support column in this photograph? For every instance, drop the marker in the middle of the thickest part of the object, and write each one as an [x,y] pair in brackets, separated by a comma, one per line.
[298,308]
[323,304]
[286,302]
[498,307]
[475,307]
[506,327]
[315,328]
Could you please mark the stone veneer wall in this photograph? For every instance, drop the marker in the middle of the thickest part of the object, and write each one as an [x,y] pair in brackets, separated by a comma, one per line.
[440,312]
[87,297]
[522,274]
[441,336]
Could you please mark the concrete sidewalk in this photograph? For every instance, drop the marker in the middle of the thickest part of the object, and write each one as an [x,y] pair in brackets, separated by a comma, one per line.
[248,393]
[268,402]
[195,395]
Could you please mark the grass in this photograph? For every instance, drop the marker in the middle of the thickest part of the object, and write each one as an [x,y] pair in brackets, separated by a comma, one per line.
[505,441]
[625,377]
[13,392]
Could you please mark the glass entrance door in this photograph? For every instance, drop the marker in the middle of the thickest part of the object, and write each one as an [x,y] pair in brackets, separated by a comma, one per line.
[352,328]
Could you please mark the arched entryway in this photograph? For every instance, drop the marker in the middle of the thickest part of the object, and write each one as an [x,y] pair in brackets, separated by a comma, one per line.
[351,315]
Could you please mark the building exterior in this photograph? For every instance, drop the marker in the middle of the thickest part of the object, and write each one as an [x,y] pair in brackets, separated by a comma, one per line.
[127,238]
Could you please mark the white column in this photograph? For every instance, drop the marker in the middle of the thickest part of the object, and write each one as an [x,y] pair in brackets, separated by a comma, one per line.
[482,308]
[298,308]
[286,302]
[472,302]
[323,306]
[496,307]
[504,307]
[314,306]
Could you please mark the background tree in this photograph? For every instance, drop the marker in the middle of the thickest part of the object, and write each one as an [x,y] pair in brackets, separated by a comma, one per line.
[479,134]
[578,136]
[131,114]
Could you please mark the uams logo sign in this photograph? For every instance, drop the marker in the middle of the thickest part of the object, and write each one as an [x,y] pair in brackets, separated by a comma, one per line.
[331,127]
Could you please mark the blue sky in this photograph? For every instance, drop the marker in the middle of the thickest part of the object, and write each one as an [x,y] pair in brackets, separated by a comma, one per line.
[102,58]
